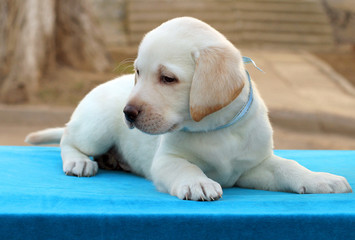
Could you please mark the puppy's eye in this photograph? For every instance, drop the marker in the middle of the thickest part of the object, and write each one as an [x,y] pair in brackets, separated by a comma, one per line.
[168,80]
[137,71]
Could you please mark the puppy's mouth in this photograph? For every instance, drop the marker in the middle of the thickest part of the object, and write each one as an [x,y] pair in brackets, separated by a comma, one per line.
[150,122]
[129,124]
[154,128]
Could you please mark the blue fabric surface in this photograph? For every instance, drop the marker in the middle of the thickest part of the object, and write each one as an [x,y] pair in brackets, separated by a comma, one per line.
[38,201]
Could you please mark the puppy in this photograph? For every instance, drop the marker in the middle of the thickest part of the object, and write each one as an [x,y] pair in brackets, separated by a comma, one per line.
[196,122]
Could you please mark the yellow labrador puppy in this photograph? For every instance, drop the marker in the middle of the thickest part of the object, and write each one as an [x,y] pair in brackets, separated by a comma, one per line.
[199,121]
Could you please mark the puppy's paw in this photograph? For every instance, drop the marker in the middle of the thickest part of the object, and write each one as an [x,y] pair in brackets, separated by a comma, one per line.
[325,183]
[200,189]
[80,167]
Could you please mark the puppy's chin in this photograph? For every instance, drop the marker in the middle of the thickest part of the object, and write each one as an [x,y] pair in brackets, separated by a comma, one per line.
[154,130]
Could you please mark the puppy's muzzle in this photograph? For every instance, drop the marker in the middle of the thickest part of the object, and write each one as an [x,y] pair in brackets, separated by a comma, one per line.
[131,113]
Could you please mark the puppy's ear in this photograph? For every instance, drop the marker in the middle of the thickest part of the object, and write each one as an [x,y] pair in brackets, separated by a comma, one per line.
[217,81]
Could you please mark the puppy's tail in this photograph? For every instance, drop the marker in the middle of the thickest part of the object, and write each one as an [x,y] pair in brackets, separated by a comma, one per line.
[46,136]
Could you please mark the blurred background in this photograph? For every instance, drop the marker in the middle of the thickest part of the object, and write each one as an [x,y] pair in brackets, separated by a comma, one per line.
[53,52]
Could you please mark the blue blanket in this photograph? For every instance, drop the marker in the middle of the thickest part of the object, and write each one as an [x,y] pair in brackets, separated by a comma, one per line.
[38,201]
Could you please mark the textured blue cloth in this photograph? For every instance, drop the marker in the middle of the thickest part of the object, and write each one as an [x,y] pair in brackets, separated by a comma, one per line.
[37,201]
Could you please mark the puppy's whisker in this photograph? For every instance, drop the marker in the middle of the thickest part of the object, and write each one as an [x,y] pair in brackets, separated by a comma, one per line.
[125,66]
[123,63]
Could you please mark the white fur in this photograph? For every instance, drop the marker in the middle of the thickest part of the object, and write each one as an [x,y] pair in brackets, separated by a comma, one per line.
[188,165]
[46,136]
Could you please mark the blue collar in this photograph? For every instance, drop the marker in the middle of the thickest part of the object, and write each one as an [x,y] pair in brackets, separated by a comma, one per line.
[242,112]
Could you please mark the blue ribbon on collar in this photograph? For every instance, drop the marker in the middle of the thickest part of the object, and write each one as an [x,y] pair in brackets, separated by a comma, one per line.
[242,112]
[247,60]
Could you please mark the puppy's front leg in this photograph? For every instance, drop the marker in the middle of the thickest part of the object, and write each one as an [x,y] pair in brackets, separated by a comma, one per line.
[183,179]
[76,163]
[278,174]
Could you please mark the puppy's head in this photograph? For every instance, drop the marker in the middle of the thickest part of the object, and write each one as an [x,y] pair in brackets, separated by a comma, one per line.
[185,70]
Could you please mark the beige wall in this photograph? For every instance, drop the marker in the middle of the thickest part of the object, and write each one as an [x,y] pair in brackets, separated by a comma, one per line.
[342,17]
[111,15]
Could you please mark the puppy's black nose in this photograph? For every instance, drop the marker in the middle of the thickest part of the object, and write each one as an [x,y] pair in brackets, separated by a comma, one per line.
[131,113]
